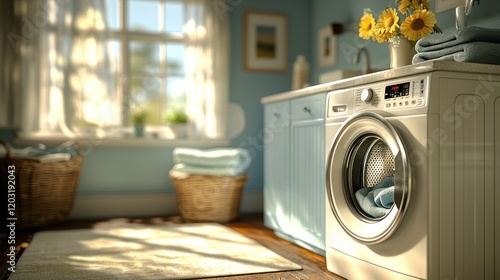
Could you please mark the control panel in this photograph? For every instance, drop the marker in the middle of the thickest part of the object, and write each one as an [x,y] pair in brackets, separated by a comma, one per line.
[392,94]
[395,94]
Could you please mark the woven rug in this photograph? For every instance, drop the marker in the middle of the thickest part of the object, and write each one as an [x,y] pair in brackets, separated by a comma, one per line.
[178,251]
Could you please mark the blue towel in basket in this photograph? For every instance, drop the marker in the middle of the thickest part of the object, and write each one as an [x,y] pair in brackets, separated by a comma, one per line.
[376,201]
[217,161]
[216,170]
[217,157]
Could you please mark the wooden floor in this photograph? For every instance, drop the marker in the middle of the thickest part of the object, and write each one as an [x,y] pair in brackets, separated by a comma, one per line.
[250,225]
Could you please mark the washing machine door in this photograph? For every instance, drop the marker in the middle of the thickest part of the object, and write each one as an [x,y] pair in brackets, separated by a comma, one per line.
[367,167]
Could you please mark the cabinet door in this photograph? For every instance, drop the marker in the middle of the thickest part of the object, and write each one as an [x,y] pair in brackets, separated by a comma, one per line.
[277,166]
[307,195]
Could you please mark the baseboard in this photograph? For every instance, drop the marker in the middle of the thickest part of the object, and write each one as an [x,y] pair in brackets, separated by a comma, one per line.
[95,206]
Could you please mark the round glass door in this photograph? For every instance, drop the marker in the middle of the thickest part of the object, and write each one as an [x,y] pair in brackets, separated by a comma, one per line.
[368,178]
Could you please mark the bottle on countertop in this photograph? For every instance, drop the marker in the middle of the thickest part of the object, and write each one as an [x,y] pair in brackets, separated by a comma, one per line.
[300,73]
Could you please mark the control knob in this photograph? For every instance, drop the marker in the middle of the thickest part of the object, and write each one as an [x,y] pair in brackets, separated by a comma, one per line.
[366,95]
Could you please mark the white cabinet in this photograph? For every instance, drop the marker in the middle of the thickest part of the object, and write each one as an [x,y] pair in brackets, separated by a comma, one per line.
[294,171]
[277,166]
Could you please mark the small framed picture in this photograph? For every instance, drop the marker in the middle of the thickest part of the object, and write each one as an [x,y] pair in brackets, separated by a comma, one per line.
[327,47]
[265,41]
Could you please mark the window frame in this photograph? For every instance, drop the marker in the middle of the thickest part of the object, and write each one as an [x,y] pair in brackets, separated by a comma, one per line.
[125,37]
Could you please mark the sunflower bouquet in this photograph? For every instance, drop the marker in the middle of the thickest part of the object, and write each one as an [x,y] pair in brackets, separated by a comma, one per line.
[412,19]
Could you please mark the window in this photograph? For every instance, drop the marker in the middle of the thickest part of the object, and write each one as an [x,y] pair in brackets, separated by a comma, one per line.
[99,61]
[147,46]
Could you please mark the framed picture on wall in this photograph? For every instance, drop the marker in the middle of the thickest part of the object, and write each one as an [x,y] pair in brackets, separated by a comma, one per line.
[327,47]
[265,41]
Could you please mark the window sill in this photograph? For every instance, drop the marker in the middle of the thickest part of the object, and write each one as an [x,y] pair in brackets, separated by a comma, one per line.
[124,142]
[153,136]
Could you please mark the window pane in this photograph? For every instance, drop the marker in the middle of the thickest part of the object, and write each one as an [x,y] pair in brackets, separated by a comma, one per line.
[175,58]
[145,56]
[112,18]
[146,95]
[114,50]
[143,15]
[174,17]
[176,93]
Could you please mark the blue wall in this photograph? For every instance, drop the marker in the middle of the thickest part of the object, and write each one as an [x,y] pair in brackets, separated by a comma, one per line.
[247,88]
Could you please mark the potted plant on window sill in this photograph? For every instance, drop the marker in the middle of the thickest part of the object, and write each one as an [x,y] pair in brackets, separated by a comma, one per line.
[176,121]
[139,121]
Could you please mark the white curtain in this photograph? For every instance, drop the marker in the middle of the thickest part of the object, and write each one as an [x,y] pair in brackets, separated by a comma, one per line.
[9,62]
[207,69]
[64,62]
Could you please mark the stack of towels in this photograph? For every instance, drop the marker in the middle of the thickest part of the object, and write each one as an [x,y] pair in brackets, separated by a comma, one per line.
[471,44]
[377,201]
[220,161]
[40,153]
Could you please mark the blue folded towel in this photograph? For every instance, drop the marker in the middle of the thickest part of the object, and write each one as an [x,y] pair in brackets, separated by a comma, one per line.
[475,52]
[435,42]
[216,170]
[218,157]
[377,200]
[219,161]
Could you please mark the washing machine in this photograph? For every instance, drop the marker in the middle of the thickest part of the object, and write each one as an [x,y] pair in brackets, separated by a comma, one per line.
[412,177]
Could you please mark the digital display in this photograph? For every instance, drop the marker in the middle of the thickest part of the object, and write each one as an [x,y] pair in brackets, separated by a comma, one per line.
[399,90]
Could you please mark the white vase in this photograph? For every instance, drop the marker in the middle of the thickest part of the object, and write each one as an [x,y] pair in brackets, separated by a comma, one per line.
[401,52]
[177,130]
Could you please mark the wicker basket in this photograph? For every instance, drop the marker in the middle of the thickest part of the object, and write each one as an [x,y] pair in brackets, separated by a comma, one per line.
[44,191]
[208,198]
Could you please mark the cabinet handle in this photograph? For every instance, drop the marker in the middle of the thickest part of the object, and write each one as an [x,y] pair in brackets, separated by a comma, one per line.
[307,110]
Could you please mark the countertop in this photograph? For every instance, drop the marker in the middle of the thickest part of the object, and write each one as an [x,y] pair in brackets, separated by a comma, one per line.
[424,67]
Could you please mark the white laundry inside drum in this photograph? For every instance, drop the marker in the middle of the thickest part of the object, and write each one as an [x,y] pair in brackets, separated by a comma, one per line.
[375,192]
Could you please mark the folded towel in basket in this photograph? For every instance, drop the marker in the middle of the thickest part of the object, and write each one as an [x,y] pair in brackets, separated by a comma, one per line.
[219,157]
[217,170]
[435,42]
[475,52]
[376,201]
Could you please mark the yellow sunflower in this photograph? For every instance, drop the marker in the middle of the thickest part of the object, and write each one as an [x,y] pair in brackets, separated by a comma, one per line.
[403,6]
[420,4]
[366,26]
[387,25]
[419,24]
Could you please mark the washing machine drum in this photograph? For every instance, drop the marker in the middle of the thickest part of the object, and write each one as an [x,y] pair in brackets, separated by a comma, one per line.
[368,178]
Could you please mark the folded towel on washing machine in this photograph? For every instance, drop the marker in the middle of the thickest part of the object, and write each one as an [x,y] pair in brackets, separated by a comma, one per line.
[443,41]
[376,201]
[472,44]
[474,52]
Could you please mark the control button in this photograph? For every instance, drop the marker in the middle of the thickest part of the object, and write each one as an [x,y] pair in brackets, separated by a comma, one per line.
[388,105]
[366,95]
[407,103]
[413,102]
[339,108]
[400,104]
[394,104]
